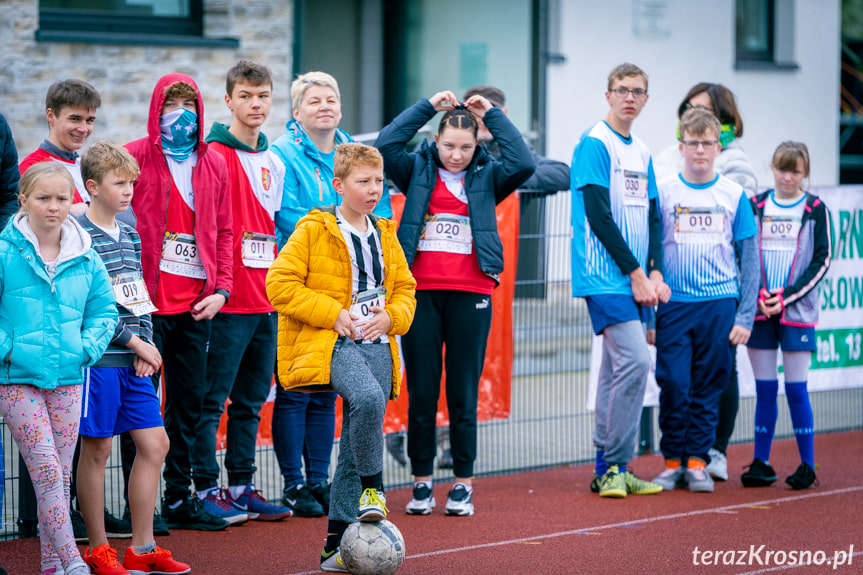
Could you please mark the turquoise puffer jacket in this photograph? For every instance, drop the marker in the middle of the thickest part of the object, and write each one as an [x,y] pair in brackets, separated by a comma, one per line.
[50,330]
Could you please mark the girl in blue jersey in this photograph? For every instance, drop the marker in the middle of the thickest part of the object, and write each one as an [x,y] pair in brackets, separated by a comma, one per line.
[795,254]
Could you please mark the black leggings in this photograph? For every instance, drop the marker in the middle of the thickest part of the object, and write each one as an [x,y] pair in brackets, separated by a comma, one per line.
[729,402]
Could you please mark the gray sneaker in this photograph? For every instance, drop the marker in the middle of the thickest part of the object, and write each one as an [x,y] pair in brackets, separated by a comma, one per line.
[699,480]
[668,479]
[718,466]
[333,562]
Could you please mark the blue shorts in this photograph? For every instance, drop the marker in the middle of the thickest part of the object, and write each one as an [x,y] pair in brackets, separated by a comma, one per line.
[612,309]
[116,400]
[771,334]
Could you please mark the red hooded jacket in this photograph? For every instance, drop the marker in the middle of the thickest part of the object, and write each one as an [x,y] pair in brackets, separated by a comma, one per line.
[213,231]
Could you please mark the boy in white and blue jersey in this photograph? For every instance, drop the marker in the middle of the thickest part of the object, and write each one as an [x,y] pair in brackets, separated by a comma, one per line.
[616,244]
[705,218]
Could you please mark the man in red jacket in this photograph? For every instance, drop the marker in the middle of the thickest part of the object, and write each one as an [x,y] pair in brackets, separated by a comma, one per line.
[183,200]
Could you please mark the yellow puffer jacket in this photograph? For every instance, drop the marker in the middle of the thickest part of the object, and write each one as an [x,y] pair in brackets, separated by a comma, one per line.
[310,283]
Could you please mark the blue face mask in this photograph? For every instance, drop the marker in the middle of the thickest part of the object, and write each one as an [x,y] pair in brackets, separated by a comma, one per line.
[179,133]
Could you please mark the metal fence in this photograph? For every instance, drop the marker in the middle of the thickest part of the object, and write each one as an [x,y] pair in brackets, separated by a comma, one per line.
[549,424]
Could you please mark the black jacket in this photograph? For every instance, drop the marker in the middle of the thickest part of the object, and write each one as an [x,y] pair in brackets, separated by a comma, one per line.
[9,175]
[487,183]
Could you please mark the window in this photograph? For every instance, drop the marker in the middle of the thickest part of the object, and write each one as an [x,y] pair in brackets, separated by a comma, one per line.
[764,34]
[125,21]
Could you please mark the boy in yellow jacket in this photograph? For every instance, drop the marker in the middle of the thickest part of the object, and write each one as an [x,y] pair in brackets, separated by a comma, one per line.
[343,291]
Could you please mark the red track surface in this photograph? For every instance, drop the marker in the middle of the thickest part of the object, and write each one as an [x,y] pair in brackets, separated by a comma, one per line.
[548,522]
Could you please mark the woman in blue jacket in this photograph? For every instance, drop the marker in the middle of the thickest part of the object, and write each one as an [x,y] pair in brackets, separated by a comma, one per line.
[57,316]
[449,234]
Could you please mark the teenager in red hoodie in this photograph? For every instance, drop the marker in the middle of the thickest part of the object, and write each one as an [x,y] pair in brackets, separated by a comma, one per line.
[182,198]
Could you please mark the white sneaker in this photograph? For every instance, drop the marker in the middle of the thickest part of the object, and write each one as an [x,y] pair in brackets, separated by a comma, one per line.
[334,563]
[668,479]
[460,501]
[422,501]
[698,480]
[718,466]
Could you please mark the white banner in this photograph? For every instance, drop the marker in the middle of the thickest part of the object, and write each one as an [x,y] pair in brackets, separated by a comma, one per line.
[838,363]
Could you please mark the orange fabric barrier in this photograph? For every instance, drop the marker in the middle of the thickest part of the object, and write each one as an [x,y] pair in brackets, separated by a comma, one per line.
[496,380]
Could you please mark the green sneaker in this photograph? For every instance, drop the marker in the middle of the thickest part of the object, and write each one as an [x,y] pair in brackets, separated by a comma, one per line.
[638,486]
[613,483]
[332,562]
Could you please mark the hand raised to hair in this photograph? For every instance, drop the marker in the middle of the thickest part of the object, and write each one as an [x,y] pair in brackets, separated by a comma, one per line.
[443,101]
[478,105]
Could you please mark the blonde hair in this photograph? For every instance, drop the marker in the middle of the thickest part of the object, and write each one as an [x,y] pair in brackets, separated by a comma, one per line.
[105,156]
[626,70]
[352,155]
[309,79]
[697,122]
[42,171]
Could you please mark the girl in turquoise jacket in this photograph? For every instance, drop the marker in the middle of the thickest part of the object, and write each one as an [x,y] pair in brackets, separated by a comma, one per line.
[57,316]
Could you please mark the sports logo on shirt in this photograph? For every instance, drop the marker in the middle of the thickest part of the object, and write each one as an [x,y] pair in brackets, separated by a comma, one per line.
[265,178]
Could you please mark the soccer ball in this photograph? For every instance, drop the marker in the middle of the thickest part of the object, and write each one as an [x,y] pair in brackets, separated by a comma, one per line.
[374,548]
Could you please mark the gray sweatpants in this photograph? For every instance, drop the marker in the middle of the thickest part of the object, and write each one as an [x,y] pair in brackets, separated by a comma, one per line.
[620,391]
[362,375]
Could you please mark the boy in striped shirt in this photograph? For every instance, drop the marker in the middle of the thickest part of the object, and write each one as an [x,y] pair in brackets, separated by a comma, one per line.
[119,394]
[706,218]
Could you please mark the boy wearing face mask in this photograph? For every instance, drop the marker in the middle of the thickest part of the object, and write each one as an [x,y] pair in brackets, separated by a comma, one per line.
[183,196]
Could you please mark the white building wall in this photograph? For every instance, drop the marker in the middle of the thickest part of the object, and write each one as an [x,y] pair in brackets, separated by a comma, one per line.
[776,104]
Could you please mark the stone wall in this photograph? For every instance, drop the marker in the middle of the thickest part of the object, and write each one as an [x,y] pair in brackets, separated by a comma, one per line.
[125,73]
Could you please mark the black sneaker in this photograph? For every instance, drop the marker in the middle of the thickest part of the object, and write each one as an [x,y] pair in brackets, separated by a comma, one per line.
[78,526]
[760,474]
[159,527]
[321,491]
[803,478]
[190,514]
[302,501]
[117,528]
[594,482]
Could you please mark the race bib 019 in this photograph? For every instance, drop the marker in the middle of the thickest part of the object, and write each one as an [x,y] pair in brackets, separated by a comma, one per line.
[180,256]
[130,291]
[699,225]
[446,233]
[780,233]
[259,250]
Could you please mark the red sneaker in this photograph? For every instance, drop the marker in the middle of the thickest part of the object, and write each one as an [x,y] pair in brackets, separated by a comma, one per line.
[103,561]
[159,562]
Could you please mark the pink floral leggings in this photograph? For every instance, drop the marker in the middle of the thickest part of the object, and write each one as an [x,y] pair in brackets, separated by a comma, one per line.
[44,424]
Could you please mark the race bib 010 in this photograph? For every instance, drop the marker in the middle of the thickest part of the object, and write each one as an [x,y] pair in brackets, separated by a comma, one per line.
[699,225]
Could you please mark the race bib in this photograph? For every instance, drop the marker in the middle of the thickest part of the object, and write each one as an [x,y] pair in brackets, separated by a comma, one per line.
[259,250]
[362,303]
[130,291]
[699,225]
[446,233]
[780,233]
[180,256]
[635,188]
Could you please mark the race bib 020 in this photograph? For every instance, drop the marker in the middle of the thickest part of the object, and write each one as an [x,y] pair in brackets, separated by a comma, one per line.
[779,233]
[180,256]
[259,250]
[446,233]
[699,225]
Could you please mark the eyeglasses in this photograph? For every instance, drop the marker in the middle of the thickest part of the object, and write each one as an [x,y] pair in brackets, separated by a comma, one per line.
[638,93]
[693,144]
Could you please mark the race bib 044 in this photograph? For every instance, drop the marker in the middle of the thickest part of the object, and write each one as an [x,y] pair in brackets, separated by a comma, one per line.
[361,305]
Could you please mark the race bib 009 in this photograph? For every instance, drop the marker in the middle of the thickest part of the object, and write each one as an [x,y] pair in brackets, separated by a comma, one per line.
[779,233]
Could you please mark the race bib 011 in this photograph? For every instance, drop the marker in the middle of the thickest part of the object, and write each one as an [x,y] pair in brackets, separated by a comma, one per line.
[259,250]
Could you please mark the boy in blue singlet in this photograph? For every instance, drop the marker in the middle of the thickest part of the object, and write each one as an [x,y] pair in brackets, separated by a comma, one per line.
[705,218]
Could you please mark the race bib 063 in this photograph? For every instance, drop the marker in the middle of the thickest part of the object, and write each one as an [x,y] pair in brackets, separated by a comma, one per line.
[180,256]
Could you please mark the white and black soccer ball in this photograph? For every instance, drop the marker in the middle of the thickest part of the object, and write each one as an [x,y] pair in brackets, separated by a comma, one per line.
[373,548]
